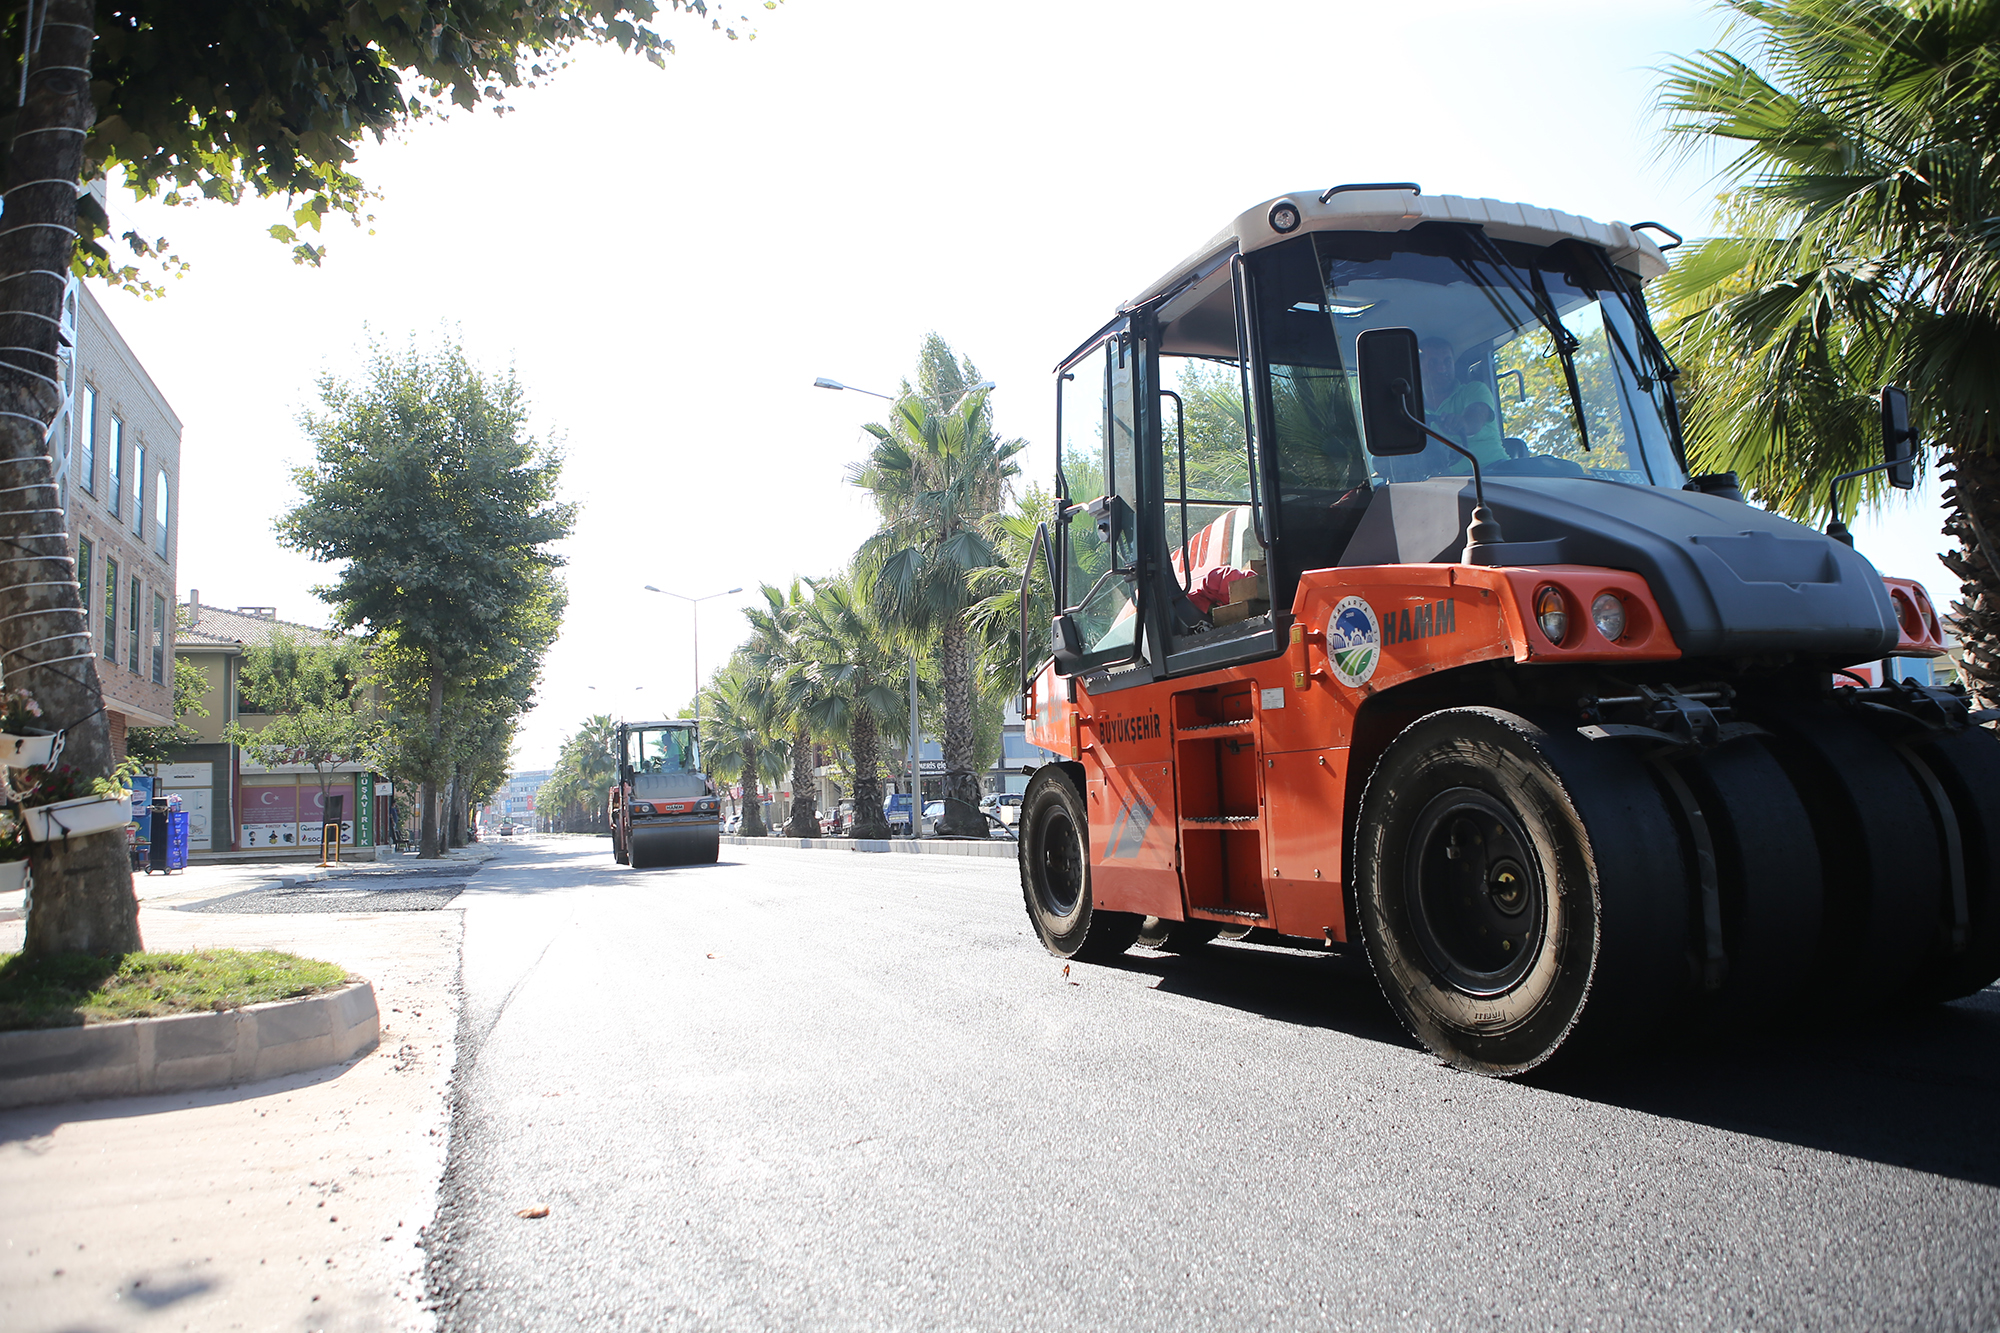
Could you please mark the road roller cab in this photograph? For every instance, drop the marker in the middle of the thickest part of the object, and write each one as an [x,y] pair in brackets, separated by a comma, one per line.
[663,808]
[1389,616]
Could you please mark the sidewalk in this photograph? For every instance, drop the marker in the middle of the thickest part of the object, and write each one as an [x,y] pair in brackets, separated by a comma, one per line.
[214,879]
[293,1203]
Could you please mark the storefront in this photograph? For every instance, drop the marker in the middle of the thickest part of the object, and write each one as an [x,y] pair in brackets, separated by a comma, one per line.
[285,808]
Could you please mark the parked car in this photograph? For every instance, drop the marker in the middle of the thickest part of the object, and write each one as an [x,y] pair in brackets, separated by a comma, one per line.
[1007,805]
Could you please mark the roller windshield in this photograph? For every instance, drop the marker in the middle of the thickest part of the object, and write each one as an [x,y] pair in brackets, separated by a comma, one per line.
[1535,359]
[662,750]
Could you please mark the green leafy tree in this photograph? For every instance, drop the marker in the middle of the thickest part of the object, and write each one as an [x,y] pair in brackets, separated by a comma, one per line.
[939,475]
[1858,251]
[441,514]
[200,99]
[319,706]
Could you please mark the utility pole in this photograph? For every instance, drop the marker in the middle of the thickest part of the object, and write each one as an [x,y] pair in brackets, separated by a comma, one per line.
[916,772]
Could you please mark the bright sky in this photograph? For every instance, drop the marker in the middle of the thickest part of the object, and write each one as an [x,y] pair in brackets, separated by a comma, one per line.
[669,258]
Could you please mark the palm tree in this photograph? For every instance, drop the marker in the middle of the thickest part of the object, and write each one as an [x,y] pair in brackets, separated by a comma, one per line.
[776,651]
[850,689]
[939,476]
[1861,253]
[995,618]
[736,711]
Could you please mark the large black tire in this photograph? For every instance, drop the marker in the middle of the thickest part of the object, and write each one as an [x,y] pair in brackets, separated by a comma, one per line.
[1881,856]
[1966,764]
[1768,877]
[1055,873]
[1520,890]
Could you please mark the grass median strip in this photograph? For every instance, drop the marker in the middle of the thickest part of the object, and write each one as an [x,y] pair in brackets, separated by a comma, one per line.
[71,990]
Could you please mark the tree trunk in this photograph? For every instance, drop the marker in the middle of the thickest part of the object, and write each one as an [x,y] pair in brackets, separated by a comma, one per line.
[753,809]
[82,900]
[1972,497]
[427,847]
[865,739]
[804,822]
[961,784]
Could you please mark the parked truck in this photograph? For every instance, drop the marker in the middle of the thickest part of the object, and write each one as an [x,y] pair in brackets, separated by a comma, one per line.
[663,808]
[1388,615]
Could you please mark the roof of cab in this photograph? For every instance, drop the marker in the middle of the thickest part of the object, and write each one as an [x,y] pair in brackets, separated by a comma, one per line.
[1399,209]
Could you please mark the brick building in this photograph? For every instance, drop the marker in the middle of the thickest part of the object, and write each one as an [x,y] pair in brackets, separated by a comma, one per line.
[118,454]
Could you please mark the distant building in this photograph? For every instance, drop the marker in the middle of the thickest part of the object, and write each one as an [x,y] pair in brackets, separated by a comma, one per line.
[237,805]
[117,448]
[517,799]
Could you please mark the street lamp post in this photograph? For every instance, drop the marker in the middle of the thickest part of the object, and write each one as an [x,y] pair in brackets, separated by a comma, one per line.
[694,619]
[916,775]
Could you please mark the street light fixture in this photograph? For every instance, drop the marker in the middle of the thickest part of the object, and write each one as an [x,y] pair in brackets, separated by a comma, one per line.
[824,383]
[694,618]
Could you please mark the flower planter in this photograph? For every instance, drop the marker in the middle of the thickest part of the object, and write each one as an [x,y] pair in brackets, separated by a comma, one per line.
[73,819]
[13,876]
[23,751]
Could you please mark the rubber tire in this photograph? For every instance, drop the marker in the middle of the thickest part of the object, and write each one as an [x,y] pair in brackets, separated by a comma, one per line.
[1967,765]
[1768,876]
[1606,858]
[1055,873]
[1880,854]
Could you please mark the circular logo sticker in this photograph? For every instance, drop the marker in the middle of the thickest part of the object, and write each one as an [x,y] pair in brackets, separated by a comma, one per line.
[1353,641]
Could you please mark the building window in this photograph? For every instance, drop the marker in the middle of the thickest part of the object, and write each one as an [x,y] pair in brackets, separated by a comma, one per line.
[83,582]
[114,466]
[86,459]
[110,610]
[160,513]
[132,629]
[159,639]
[138,488]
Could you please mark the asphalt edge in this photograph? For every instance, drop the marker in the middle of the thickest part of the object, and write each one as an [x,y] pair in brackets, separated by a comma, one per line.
[180,1052]
[905,846]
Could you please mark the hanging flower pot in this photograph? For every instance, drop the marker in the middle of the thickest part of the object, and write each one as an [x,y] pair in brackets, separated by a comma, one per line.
[30,749]
[73,819]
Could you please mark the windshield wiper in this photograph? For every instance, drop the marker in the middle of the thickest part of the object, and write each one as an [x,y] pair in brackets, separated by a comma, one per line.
[1545,311]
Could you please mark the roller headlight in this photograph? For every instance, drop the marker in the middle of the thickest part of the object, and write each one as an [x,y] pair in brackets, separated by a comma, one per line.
[706,805]
[1608,614]
[641,808]
[1552,613]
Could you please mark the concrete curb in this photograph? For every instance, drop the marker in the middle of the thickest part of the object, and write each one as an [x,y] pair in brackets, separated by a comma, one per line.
[183,1051]
[920,847]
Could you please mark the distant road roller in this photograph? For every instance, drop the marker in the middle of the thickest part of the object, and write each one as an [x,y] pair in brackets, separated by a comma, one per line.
[1388,616]
[663,808]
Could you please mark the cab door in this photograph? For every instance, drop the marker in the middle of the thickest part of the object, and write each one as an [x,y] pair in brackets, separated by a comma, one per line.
[1098,470]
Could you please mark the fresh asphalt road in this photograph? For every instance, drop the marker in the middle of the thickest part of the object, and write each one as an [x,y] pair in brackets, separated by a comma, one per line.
[807,1090]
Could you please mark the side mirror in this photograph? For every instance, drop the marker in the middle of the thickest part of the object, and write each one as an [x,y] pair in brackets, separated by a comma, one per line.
[1066,644]
[1899,442]
[1390,378]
